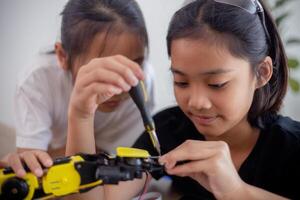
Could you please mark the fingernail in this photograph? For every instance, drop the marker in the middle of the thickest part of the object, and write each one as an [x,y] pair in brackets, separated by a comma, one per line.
[134,81]
[21,173]
[161,160]
[48,163]
[141,75]
[38,172]
[127,88]
[118,91]
[166,164]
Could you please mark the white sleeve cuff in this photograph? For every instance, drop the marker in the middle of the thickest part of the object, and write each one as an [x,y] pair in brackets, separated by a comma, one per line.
[31,143]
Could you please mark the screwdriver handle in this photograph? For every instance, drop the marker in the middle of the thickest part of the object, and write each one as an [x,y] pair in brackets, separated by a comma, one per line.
[140,98]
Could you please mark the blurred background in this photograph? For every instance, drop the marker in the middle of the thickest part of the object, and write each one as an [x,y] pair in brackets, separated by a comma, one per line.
[27,26]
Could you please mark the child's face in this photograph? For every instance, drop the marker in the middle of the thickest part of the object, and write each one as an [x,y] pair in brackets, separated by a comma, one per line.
[213,88]
[125,44]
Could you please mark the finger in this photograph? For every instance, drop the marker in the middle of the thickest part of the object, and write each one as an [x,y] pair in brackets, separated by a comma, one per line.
[105,76]
[102,91]
[123,66]
[135,67]
[123,70]
[189,168]
[32,163]
[44,158]
[196,143]
[189,150]
[181,175]
[14,161]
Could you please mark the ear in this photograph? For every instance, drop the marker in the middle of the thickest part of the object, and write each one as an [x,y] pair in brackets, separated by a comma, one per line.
[61,56]
[264,72]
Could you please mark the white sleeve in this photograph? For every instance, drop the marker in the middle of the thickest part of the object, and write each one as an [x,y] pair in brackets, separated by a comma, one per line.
[32,116]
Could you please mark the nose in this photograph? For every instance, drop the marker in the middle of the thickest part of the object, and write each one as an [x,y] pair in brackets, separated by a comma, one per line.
[199,100]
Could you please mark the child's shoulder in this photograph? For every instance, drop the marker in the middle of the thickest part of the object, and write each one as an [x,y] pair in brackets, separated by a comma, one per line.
[285,128]
[44,67]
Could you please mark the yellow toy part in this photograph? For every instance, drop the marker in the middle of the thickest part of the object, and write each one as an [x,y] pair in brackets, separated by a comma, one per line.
[78,173]
[62,179]
[30,179]
[132,152]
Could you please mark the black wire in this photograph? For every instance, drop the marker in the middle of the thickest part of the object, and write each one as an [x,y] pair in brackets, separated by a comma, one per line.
[142,192]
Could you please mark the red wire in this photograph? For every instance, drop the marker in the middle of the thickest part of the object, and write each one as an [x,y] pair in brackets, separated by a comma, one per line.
[147,181]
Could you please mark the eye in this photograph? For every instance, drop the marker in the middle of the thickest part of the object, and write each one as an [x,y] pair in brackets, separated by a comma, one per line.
[217,86]
[181,84]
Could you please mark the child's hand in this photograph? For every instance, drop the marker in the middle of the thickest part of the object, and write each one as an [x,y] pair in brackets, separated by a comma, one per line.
[34,159]
[209,163]
[101,79]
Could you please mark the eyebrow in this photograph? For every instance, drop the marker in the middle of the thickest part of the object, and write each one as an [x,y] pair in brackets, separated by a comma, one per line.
[209,72]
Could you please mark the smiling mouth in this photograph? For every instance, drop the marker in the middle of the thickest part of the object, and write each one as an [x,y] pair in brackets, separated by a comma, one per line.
[203,120]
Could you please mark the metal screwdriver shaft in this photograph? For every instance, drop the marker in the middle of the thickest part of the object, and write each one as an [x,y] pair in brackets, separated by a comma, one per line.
[140,97]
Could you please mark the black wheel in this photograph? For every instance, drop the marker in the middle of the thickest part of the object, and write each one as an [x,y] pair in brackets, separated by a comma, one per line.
[14,189]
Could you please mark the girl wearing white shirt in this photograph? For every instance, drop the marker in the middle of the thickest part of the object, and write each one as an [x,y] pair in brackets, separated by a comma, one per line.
[102,51]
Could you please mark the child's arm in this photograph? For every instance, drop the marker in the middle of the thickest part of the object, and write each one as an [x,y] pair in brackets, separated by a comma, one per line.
[78,142]
[96,82]
[252,192]
[209,163]
[124,190]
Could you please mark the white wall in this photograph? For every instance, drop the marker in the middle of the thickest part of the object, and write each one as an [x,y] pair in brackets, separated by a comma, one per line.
[25,26]
[292,29]
[158,13]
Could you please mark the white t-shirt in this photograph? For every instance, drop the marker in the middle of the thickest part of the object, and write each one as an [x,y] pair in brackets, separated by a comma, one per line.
[41,107]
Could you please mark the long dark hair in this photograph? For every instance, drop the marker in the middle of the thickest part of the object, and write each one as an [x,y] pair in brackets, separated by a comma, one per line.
[83,19]
[245,37]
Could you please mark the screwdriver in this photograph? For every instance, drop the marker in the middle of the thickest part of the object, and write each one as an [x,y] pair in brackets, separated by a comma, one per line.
[140,97]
